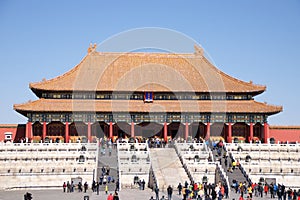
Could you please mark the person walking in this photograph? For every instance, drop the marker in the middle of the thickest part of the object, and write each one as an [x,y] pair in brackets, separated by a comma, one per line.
[179,187]
[170,191]
[156,190]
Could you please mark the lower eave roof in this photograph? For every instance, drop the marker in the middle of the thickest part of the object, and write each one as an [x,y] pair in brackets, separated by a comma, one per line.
[157,106]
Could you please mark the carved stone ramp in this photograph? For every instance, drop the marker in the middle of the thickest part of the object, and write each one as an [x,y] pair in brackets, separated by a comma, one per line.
[167,168]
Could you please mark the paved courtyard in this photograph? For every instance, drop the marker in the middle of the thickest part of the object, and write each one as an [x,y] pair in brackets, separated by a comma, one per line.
[126,194]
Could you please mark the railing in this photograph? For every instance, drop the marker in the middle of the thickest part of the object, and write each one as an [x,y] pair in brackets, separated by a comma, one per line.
[187,171]
[223,176]
[118,168]
[263,147]
[211,155]
[152,179]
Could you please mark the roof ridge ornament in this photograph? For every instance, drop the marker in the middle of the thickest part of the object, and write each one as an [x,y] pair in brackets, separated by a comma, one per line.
[198,50]
[92,48]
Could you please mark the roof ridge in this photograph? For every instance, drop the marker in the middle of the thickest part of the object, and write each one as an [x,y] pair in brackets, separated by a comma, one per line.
[265,103]
[145,53]
[24,103]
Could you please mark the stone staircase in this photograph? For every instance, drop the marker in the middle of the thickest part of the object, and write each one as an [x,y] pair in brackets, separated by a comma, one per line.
[235,174]
[167,168]
[112,162]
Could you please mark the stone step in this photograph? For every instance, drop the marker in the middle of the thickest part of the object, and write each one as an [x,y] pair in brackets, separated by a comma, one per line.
[235,175]
[112,162]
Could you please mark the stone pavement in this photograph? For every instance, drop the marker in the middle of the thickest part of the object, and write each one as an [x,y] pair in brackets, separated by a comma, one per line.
[126,194]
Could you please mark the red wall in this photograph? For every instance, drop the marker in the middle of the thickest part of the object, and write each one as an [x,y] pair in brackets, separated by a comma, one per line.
[17,130]
[283,134]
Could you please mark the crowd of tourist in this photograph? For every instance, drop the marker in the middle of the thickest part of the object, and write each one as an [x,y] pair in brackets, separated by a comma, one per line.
[106,145]
[70,187]
[251,190]
[272,190]
[104,180]
[196,191]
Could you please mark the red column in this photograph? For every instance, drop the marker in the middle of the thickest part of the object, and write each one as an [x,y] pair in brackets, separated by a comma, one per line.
[165,131]
[251,132]
[67,132]
[29,130]
[132,129]
[186,131]
[207,131]
[110,130]
[89,132]
[44,131]
[266,132]
[229,137]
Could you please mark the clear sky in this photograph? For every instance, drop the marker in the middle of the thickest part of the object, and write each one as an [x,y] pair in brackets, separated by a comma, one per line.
[250,40]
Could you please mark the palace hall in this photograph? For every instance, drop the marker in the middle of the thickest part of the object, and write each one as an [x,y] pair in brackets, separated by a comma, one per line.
[146,94]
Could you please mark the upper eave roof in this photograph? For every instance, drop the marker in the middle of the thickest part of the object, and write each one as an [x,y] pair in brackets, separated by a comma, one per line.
[202,106]
[155,72]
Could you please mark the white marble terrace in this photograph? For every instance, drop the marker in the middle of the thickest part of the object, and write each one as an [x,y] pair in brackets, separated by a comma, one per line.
[279,161]
[43,165]
[133,160]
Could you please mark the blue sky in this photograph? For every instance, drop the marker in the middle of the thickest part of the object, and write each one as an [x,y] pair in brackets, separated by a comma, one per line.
[250,40]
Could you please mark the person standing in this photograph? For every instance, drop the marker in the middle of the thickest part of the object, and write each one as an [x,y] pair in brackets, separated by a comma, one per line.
[170,191]
[163,198]
[143,184]
[106,189]
[97,187]
[68,187]
[72,186]
[79,187]
[94,186]
[85,187]
[64,186]
[266,189]
[110,197]
[250,191]
[116,196]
